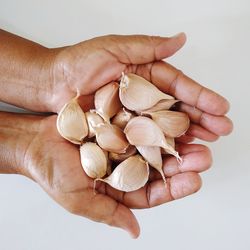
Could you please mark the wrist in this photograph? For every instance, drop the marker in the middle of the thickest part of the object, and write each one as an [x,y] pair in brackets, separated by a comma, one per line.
[26,73]
[62,83]
[16,134]
[45,80]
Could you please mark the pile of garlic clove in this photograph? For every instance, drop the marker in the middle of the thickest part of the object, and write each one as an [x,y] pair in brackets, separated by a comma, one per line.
[129,130]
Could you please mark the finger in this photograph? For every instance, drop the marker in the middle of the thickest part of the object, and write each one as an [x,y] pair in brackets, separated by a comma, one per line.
[156,193]
[195,158]
[185,139]
[141,49]
[219,125]
[173,81]
[184,149]
[102,208]
[201,133]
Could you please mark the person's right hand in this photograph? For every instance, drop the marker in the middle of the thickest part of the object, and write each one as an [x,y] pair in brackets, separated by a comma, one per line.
[85,67]
[41,79]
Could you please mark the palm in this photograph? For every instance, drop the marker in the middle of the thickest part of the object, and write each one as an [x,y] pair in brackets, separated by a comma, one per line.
[58,164]
[59,172]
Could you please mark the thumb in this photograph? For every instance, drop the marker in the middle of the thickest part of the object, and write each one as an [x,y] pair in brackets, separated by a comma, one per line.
[107,210]
[141,49]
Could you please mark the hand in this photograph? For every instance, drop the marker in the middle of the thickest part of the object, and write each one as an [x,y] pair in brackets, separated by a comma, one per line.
[85,67]
[41,79]
[54,164]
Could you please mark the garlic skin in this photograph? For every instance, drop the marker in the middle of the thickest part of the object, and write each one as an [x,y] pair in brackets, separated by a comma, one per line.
[137,94]
[93,160]
[170,141]
[111,138]
[130,175]
[71,122]
[93,120]
[122,117]
[152,155]
[107,102]
[161,105]
[173,124]
[131,150]
[142,131]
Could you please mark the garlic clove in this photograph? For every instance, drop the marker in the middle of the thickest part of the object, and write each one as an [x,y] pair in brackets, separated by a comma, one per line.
[137,94]
[93,160]
[142,131]
[131,150]
[111,138]
[93,120]
[129,175]
[107,102]
[71,122]
[171,142]
[152,154]
[122,117]
[161,105]
[172,123]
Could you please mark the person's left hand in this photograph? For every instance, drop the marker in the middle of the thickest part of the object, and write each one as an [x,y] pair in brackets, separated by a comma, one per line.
[54,164]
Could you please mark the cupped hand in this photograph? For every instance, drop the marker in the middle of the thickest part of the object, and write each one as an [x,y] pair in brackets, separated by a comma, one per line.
[85,67]
[81,69]
[54,164]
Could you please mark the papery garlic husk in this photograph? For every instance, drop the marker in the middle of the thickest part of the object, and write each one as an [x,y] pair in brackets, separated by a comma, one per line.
[107,102]
[129,175]
[136,93]
[71,122]
[122,117]
[172,123]
[171,142]
[93,160]
[111,138]
[161,105]
[142,131]
[93,120]
[152,154]
[131,150]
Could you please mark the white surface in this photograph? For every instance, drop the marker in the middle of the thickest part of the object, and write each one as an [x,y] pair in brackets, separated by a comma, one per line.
[217,54]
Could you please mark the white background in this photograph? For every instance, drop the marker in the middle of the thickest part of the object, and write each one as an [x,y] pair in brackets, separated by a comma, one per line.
[217,54]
